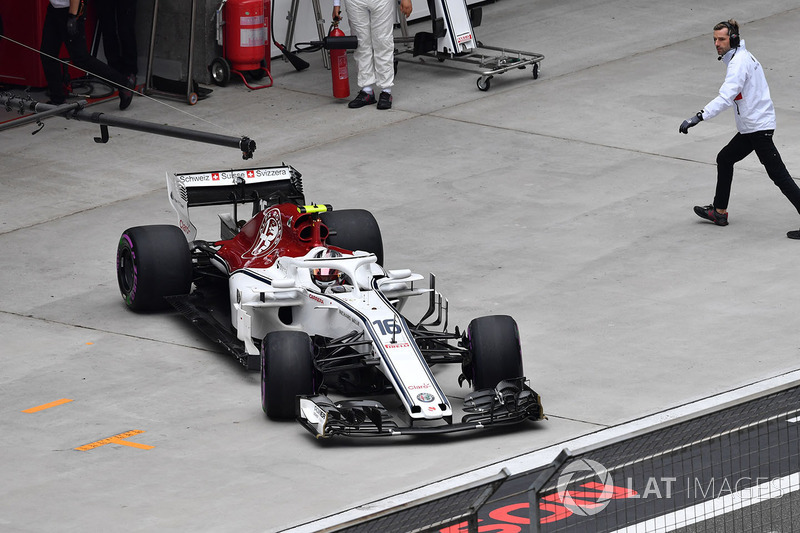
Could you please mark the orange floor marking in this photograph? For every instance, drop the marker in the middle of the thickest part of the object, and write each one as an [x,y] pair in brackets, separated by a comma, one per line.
[117,439]
[47,406]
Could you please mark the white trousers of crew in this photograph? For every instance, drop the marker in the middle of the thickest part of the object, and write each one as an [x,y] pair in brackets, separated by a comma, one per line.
[373,23]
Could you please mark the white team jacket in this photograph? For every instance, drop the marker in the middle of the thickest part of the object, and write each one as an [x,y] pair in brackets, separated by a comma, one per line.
[745,88]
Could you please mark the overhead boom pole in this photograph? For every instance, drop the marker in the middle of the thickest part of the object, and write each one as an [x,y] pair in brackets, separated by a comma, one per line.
[76,111]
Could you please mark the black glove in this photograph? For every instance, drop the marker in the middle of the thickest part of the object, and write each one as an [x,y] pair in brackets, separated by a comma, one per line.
[72,26]
[691,122]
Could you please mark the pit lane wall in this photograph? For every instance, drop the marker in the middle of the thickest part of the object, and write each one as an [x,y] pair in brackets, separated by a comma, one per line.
[729,459]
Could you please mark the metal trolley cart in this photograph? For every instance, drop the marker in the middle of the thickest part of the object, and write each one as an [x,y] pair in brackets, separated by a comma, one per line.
[453,38]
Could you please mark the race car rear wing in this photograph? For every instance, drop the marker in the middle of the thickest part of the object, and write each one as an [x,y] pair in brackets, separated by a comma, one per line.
[231,187]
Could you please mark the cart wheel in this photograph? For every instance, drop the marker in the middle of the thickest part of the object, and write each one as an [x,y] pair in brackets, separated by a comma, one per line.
[191,99]
[536,71]
[220,71]
[484,83]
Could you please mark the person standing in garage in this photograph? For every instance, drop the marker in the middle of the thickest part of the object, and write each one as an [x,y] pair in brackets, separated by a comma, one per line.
[373,23]
[745,89]
[64,23]
[118,25]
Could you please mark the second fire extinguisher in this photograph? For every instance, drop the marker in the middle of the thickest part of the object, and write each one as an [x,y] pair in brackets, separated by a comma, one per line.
[339,74]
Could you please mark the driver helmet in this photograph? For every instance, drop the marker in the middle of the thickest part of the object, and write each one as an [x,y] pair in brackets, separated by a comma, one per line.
[327,277]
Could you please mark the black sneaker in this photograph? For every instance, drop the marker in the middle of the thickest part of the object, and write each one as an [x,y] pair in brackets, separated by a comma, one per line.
[385,100]
[361,99]
[794,234]
[710,213]
[125,96]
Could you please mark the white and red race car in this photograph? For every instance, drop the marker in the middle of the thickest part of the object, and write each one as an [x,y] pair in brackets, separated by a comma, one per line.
[298,291]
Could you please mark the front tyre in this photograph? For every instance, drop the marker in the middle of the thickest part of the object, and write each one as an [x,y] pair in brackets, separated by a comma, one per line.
[153,262]
[495,351]
[287,370]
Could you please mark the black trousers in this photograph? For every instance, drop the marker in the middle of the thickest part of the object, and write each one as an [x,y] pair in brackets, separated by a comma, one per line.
[118,26]
[742,145]
[54,34]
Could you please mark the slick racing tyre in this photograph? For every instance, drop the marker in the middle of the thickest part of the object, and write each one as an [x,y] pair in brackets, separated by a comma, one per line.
[495,349]
[287,370]
[153,262]
[354,229]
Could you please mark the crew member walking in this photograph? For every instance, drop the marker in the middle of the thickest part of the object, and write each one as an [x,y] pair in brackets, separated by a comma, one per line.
[745,89]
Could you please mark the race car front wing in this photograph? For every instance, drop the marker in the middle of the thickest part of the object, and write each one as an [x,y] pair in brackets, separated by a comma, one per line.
[511,402]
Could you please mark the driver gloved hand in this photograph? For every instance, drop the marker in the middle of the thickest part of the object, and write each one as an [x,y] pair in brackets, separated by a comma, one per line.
[72,26]
[691,122]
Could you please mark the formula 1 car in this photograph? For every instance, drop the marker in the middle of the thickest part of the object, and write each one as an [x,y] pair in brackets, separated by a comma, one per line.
[298,292]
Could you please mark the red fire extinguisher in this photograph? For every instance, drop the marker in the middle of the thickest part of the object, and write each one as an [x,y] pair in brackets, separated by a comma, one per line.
[341,79]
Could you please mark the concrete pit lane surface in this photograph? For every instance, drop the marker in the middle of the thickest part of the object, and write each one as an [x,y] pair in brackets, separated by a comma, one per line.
[565,202]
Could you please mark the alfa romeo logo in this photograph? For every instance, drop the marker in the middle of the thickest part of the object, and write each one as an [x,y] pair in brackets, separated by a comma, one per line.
[425,397]
[268,235]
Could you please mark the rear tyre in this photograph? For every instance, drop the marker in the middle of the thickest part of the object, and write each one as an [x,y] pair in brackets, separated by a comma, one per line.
[495,349]
[287,370]
[354,229]
[153,262]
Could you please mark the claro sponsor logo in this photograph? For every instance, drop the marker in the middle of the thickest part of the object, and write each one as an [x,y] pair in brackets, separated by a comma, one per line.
[425,386]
